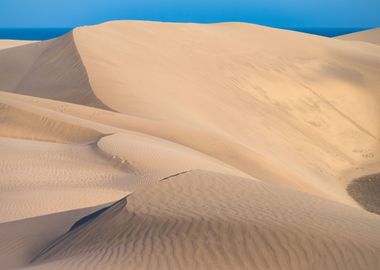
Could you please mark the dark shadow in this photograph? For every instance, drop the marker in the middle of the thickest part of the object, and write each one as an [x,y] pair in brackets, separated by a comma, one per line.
[89,217]
[366,191]
[174,175]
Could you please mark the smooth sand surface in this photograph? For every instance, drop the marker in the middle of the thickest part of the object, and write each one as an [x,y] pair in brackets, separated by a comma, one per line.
[370,36]
[9,43]
[237,147]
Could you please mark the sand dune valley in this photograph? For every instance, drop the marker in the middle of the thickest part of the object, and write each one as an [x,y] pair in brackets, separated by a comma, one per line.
[147,145]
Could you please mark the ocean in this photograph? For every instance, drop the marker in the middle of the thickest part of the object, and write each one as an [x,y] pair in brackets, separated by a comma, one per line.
[48,33]
[329,32]
[32,33]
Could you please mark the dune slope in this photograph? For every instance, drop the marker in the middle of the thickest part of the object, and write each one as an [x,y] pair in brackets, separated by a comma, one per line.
[205,220]
[50,69]
[229,80]
[9,43]
[370,36]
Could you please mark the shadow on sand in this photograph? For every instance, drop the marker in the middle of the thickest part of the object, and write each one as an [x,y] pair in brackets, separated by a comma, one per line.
[366,191]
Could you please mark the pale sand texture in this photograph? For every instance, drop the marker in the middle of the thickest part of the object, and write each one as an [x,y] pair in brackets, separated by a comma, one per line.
[9,43]
[370,36]
[255,132]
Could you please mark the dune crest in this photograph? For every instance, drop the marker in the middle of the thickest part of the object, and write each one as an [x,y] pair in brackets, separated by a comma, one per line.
[49,69]
[370,36]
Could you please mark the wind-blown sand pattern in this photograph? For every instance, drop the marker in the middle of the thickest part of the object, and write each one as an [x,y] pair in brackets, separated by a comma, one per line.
[232,222]
[147,145]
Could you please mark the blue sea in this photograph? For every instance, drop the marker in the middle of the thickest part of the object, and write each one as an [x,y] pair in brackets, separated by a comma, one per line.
[32,33]
[48,33]
[329,32]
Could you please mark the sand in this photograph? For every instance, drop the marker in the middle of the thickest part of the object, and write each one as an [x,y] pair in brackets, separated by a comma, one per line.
[370,36]
[233,150]
[9,43]
[242,224]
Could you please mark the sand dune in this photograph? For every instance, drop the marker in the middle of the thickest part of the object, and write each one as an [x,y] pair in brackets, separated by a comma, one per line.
[9,43]
[19,123]
[35,172]
[39,68]
[250,117]
[20,239]
[220,221]
[236,151]
[370,36]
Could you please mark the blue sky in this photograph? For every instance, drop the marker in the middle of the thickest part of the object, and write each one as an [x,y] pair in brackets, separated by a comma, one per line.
[277,13]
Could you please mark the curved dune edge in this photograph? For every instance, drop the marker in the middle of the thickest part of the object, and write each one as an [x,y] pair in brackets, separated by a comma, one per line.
[228,223]
[23,124]
[156,158]
[50,69]
[40,178]
[80,166]
[110,122]
[370,36]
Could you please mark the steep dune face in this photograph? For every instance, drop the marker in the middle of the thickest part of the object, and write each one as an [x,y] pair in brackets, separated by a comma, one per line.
[16,62]
[234,143]
[50,69]
[370,36]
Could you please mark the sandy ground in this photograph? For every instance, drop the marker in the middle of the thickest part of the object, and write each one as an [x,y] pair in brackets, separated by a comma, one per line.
[370,36]
[9,43]
[233,150]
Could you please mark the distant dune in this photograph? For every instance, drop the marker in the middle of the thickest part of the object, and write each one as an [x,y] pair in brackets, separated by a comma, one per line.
[9,43]
[371,36]
[149,145]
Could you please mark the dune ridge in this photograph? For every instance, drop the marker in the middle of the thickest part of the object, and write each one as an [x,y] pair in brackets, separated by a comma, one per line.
[235,151]
[48,65]
[370,36]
